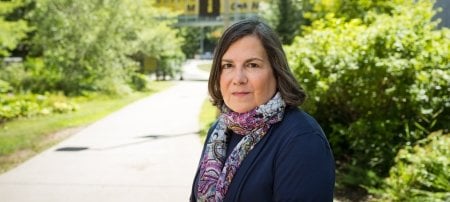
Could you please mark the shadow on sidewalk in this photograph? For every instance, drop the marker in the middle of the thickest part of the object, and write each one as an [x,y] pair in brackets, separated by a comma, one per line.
[146,138]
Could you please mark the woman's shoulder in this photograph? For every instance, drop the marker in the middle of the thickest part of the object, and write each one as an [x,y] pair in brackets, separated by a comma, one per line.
[298,120]
[298,126]
[299,132]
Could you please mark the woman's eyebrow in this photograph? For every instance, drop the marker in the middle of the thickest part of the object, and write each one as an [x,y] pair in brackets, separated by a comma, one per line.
[255,58]
[247,60]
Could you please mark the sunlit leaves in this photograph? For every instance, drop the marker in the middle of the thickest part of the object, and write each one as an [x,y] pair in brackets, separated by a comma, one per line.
[90,44]
[11,32]
[377,82]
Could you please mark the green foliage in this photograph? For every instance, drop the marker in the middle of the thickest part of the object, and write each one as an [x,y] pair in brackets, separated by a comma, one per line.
[86,45]
[140,82]
[421,172]
[355,9]
[5,87]
[170,55]
[28,105]
[32,75]
[290,18]
[14,74]
[83,42]
[78,47]
[37,77]
[169,66]
[192,37]
[198,40]
[17,102]
[361,8]
[12,31]
[287,17]
[375,85]
[161,40]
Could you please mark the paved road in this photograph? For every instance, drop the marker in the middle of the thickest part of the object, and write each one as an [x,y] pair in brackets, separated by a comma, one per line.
[147,151]
[191,72]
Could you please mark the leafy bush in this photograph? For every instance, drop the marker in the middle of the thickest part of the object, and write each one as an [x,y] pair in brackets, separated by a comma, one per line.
[14,74]
[31,76]
[27,105]
[352,9]
[4,86]
[40,79]
[140,82]
[376,84]
[421,172]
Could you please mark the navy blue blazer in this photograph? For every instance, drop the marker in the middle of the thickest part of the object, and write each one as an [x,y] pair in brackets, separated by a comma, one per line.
[292,162]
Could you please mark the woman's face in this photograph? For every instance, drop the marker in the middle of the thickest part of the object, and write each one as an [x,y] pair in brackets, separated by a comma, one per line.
[247,79]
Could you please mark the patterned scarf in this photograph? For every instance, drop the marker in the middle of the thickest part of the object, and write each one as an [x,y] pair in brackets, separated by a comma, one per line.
[216,173]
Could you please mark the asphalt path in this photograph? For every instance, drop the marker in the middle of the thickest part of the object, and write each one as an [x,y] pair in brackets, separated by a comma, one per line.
[147,151]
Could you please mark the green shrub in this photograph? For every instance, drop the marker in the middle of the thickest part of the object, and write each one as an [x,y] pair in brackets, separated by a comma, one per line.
[14,74]
[375,85]
[352,9]
[421,172]
[5,87]
[140,82]
[15,106]
[30,76]
[41,79]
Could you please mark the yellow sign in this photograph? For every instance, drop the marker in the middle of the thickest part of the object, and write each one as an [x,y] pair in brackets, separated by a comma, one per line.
[192,7]
[184,6]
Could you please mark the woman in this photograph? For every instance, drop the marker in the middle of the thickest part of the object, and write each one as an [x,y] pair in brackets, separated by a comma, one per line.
[262,147]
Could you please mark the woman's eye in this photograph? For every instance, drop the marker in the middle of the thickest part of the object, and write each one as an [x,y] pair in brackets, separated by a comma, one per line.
[226,66]
[252,65]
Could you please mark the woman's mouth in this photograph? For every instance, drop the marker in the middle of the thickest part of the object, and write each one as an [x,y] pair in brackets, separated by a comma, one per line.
[239,94]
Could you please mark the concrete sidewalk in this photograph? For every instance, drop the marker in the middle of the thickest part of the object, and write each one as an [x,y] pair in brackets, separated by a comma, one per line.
[147,151]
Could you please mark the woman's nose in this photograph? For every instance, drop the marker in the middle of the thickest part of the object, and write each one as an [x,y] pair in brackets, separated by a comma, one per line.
[239,77]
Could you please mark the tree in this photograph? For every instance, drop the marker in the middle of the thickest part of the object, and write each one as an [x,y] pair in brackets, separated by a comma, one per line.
[286,16]
[12,30]
[87,45]
[351,9]
[192,37]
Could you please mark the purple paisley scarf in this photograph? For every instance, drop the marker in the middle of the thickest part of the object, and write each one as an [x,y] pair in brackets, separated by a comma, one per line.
[216,172]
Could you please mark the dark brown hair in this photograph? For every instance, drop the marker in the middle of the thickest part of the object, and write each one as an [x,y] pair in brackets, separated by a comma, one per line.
[288,87]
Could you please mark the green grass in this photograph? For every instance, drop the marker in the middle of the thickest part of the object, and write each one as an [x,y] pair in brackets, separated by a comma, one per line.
[23,138]
[208,115]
